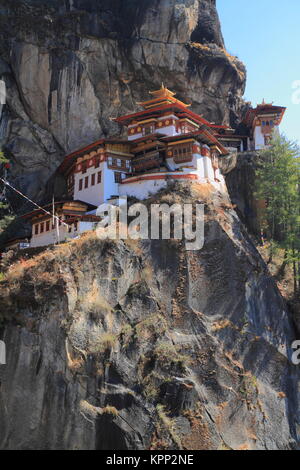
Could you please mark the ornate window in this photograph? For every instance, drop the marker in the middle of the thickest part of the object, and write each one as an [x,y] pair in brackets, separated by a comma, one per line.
[182,154]
[149,129]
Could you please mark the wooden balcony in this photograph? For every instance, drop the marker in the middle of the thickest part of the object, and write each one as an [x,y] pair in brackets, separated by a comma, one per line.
[146,162]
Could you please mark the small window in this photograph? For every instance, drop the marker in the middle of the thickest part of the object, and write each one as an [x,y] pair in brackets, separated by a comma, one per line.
[36,229]
[97,162]
[99,177]
[118,177]
[93,179]
[264,123]
[42,227]
[80,185]
[110,161]
[86,182]
[47,225]
[75,226]
[147,130]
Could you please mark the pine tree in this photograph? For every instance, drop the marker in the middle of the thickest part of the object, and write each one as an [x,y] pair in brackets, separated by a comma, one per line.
[278,185]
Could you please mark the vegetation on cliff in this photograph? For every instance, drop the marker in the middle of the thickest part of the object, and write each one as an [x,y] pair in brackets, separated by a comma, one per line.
[278,189]
[139,345]
[6,217]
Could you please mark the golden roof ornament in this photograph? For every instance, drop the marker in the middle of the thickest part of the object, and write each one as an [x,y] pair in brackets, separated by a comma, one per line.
[161,97]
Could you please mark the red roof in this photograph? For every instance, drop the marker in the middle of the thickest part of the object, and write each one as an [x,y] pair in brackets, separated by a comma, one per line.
[68,160]
[125,120]
[262,109]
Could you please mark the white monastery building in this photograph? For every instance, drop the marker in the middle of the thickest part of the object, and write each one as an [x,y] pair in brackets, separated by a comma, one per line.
[165,141]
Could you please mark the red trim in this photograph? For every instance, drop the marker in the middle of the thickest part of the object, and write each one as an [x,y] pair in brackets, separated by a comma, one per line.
[152,137]
[199,132]
[199,119]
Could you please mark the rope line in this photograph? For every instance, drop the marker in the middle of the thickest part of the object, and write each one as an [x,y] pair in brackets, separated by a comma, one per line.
[32,202]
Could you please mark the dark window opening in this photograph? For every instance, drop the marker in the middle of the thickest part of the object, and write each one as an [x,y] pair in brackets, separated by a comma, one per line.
[118,177]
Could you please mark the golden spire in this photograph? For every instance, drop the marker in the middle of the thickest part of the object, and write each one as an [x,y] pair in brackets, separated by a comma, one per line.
[161,97]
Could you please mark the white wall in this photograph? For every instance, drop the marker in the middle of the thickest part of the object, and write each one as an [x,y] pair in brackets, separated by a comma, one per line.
[134,136]
[142,189]
[92,194]
[169,130]
[110,187]
[259,137]
[48,238]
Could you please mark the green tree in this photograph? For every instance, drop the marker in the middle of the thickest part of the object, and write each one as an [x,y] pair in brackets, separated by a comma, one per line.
[278,185]
[5,215]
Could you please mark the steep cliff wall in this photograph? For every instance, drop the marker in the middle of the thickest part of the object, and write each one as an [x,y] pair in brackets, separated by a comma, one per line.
[70,66]
[240,182]
[127,345]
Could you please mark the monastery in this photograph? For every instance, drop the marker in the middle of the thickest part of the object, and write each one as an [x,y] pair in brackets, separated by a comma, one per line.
[165,141]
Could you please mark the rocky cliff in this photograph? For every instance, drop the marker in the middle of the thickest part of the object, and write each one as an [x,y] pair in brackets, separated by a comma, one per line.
[70,66]
[138,345]
[127,345]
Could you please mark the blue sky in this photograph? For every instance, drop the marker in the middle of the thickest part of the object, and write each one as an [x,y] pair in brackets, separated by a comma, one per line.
[265,35]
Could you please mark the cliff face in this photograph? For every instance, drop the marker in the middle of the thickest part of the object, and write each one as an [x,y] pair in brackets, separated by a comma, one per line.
[70,66]
[240,182]
[127,345]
